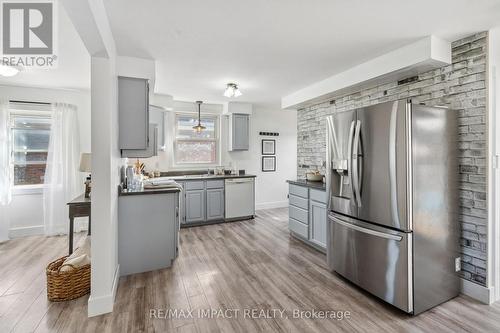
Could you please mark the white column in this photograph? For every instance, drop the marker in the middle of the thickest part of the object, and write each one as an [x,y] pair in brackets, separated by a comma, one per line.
[91,21]
[493,268]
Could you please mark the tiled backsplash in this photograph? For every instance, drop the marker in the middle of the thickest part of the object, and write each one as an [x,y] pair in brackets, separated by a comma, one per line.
[462,87]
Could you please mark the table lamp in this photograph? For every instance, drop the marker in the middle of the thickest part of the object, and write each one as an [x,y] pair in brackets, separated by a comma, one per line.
[86,166]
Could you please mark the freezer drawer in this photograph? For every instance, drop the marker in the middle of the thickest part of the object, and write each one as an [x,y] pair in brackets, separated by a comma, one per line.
[375,258]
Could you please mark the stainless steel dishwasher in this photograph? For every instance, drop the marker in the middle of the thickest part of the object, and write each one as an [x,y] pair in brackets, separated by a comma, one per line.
[240,198]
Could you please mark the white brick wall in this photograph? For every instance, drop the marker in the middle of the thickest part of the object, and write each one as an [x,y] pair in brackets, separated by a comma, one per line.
[462,87]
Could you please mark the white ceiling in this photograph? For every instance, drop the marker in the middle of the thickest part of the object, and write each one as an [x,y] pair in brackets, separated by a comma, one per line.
[270,48]
[273,48]
[73,70]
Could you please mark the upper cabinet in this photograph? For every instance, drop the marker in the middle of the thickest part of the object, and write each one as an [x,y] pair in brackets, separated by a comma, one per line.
[239,132]
[238,115]
[157,117]
[133,106]
[150,151]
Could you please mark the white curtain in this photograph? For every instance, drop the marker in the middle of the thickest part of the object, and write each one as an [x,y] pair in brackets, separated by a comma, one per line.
[6,179]
[61,175]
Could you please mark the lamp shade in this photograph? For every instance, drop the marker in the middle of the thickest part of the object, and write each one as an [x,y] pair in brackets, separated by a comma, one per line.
[86,162]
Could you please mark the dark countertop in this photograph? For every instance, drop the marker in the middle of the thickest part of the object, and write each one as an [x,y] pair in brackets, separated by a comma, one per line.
[303,182]
[202,177]
[122,191]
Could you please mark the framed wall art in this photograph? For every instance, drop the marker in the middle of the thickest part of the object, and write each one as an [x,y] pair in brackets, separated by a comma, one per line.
[268,163]
[268,147]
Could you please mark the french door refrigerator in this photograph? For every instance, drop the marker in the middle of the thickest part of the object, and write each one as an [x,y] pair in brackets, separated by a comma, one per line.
[392,227]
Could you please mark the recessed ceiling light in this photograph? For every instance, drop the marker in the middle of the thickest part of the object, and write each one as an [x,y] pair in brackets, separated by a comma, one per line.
[232,90]
[7,70]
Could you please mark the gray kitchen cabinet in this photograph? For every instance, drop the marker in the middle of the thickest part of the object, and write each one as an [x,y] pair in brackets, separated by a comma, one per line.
[307,215]
[157,117]
[182,203]
[317,223]
[215,204]
[150,151]
[133,112]
[194,205]
[203,201]
[148,226]
[239,132]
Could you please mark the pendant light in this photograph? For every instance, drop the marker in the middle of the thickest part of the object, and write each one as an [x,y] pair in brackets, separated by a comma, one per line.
[198,128]
[232,90]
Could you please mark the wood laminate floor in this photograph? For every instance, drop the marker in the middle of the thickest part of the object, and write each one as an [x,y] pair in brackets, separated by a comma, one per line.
[233,269]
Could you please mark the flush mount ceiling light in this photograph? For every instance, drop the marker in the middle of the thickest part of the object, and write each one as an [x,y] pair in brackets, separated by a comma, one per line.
[232,90]
[198,128]
[7,70]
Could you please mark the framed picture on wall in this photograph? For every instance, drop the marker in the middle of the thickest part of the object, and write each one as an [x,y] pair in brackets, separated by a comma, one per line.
[268,163]
[268,147]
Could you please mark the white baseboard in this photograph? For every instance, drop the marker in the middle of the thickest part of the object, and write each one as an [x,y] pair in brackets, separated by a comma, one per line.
[104,304]
[26,231]
[36,230]
[270,205]
[478,292]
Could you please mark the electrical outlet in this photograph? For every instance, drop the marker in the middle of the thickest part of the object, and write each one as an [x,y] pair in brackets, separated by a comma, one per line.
[458,264]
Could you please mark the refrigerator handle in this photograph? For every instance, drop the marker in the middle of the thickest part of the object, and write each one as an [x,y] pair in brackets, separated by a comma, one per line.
[355,160]
[349,160]
[366,230]
[328,166]
[392,164]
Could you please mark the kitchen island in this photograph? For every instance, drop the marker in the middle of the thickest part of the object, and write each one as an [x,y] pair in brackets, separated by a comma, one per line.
[148,229]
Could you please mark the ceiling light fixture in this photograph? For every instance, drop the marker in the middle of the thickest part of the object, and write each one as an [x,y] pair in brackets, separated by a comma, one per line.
[7,70]
[232,90]
[198,128]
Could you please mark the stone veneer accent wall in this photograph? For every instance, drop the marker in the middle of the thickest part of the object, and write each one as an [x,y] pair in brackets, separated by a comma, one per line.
[462,87]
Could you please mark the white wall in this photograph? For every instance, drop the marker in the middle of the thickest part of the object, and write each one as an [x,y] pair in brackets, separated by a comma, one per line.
[22,221]
[271,188]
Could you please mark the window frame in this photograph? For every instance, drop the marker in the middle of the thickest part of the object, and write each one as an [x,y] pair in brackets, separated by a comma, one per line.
[216,139]
[41,111]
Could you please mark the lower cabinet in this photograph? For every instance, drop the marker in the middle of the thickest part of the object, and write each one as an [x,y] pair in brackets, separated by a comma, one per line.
[317,223]
[215,204]
[195,206]
[203,201]
[148,229]
[307,215]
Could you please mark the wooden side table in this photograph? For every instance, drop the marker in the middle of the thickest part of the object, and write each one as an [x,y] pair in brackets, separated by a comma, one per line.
[78,207]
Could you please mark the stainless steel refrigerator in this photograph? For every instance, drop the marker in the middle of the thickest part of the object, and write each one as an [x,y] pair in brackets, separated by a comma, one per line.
[392,227]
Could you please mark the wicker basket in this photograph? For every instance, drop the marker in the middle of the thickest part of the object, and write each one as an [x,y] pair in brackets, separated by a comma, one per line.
[65,286]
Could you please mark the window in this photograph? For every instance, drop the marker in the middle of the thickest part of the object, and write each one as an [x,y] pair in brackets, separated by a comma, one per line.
[30,143]
[191,147]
